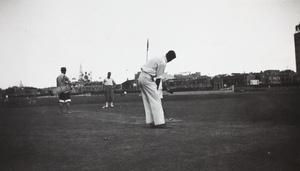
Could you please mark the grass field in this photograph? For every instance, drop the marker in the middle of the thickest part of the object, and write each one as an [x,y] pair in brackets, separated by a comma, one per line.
[237,131]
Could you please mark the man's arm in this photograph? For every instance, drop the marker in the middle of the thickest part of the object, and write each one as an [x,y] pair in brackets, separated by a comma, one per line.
[157,81]
[160,70]
[114,83]
[68,80]
[57,82]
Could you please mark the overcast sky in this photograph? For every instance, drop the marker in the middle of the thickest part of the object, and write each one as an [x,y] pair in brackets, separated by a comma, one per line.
[38,37]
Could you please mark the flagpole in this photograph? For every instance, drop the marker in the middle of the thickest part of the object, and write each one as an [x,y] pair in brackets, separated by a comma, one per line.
[147,50]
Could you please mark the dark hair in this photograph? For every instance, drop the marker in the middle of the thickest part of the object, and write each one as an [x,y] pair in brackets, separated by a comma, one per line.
[171,55]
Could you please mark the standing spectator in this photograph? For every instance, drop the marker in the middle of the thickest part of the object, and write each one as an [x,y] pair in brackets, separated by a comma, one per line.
[64,97]
[154,68]
[109,85]
[6,98]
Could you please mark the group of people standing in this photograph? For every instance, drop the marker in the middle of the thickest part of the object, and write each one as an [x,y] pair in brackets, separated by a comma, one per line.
[150,83]
[65,98]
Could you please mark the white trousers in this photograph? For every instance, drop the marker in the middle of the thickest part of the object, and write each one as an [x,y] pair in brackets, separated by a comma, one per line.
[152,102]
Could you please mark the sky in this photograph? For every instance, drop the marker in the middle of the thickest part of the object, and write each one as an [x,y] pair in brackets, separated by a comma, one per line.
[38,37]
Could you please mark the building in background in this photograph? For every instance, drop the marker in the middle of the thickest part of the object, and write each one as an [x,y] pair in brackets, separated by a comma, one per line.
[272,77]
[189,81]
[235,79]
[287,76]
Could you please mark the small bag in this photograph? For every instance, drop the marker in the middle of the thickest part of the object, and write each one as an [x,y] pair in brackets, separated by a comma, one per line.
[60,89]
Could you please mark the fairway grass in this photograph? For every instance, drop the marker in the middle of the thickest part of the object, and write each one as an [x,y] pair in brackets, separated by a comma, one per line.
[246,131]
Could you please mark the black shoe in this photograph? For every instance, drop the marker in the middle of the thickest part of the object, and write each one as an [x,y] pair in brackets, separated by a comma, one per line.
[159,126]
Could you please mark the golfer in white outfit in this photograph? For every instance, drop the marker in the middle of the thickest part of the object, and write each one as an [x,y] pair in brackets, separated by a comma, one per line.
[154,68]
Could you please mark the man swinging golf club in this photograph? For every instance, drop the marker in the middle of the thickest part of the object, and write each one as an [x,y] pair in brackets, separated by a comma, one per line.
[154,68]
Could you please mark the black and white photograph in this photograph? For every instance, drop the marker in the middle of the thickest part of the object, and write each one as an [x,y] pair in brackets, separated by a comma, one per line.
[144,85]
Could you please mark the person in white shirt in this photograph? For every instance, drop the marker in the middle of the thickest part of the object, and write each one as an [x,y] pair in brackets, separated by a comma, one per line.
[154,69]
[109,85]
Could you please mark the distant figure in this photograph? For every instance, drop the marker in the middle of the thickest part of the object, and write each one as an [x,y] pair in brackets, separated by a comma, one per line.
[109,85]
[154,68]
[31,102]
[64,97]
[123,93]
[6,99]
[134,86]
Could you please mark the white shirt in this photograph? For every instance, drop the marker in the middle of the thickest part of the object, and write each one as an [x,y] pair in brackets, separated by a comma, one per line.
[108,81]
[155,67]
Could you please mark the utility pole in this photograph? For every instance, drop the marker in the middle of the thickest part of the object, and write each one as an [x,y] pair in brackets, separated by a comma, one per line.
[147,50]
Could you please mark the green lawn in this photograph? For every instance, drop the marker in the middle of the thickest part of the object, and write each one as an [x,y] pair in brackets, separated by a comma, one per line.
[238,131]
